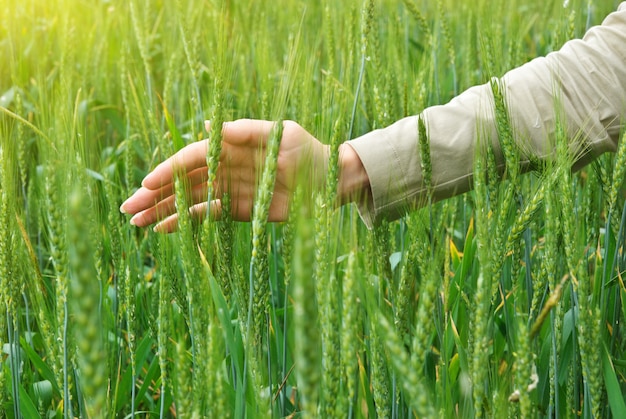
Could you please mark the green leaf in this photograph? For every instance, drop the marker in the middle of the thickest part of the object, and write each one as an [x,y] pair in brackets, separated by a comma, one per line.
[233,340]
[394,260]
[567,346]
[177,139]
[6,99]
[43,392]
[26,405]
[122,389]
[613,389]
[469,251]
[95,175]
[151,375]
[42,368]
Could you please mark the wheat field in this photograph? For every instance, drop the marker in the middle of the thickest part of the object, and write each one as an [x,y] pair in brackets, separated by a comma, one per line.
[503,302]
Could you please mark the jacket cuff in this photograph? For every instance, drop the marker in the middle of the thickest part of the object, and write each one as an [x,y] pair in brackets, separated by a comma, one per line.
[391,156]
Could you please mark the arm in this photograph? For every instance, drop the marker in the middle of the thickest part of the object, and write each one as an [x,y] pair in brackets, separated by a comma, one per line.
[381,170]
[301,156]
[589,77]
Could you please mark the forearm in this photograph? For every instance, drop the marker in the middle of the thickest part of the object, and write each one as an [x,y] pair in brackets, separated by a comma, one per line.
[586,78]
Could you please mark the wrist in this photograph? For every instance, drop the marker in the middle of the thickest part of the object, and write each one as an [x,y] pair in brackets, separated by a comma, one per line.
[354,184]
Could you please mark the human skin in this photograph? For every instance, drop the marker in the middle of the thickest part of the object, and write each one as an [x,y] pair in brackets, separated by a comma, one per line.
[301,159]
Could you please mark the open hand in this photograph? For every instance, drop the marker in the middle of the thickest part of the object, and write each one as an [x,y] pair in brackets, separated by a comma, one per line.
[300,156]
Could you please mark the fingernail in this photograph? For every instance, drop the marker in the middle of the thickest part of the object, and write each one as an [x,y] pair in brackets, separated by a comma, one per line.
[133,221]
[122,209]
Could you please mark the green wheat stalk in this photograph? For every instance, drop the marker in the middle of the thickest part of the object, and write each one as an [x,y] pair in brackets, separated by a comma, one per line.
[190,46]
[84,295]
[408,377]
[56,220]
[483,291]
[589,340]
[327,291]
[143,45]
[525,372]
[182,387]
[197,294]
[402,301]
[548,269]
[511,156]
[350,328]
[379,375]
[425,161]
[9,288]
[306,332]
[259,274]
[424,322]
[164,323]
[618,173]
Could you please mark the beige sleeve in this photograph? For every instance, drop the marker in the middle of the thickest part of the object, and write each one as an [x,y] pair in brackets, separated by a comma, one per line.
[589,78]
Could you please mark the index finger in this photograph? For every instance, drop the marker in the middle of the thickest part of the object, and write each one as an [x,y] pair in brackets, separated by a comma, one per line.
[187,159]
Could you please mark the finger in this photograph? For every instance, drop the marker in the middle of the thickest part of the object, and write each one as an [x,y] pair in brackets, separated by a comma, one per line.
[249,132]
[167,207]
[145,198]
[197,212]
[186,160]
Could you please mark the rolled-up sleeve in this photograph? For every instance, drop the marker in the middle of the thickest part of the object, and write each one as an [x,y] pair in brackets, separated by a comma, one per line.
[586,76]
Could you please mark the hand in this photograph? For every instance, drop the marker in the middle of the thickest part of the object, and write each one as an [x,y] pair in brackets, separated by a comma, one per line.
[300,156]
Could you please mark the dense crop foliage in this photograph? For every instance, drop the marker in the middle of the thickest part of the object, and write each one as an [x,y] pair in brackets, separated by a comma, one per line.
[507,301]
